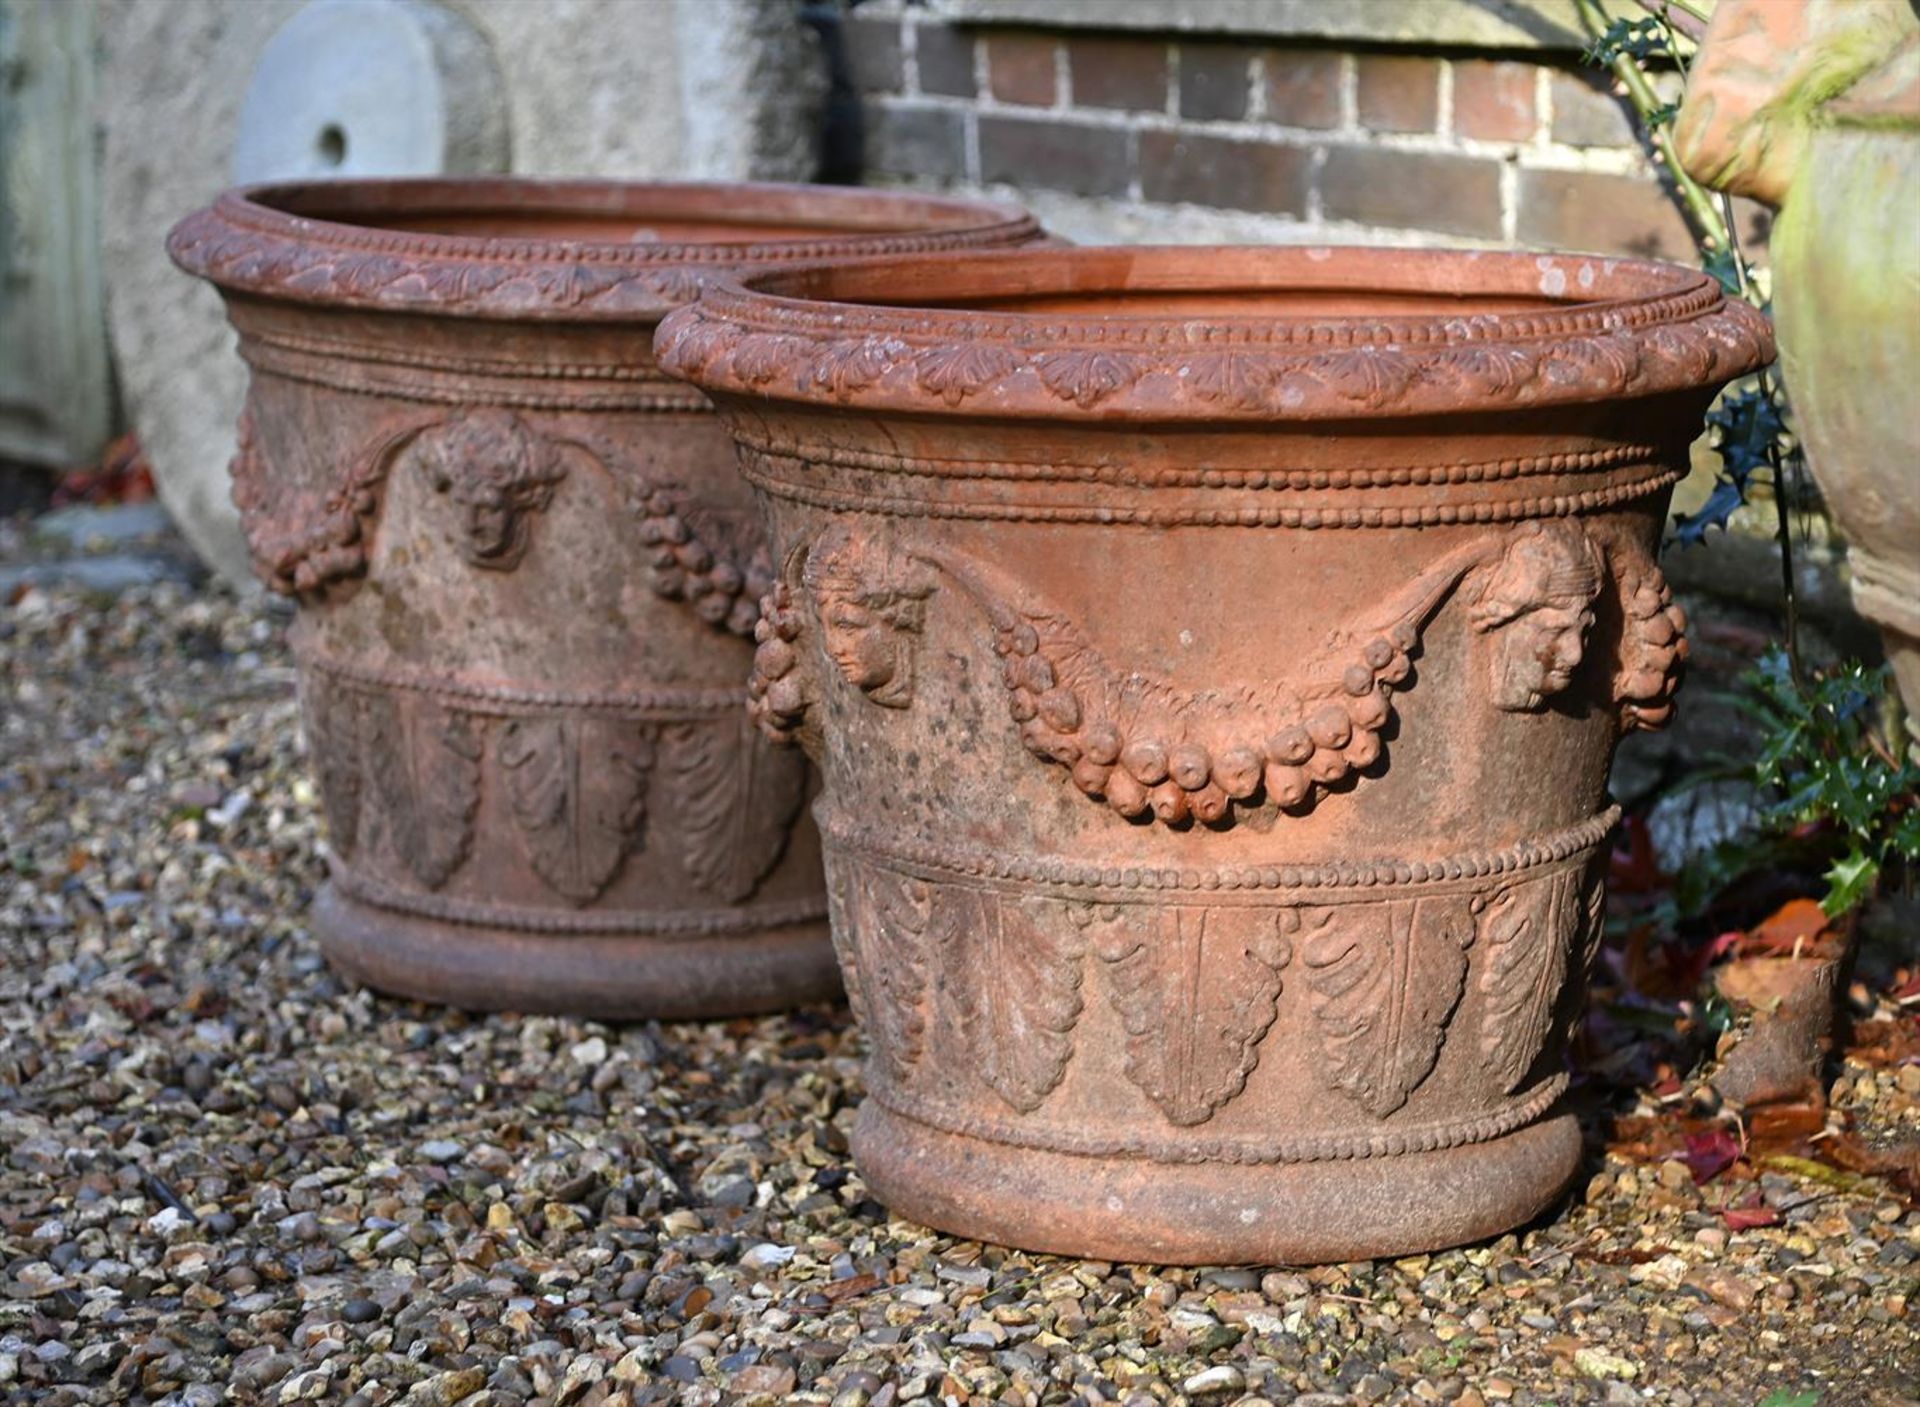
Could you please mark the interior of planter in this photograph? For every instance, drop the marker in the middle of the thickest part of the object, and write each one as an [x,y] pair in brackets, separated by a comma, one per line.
[617,213]
[1238,284]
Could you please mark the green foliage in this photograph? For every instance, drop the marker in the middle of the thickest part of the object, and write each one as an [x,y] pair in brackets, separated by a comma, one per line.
[1635,39]
[1831,787]
[1750,433]
[1749,423]
[1723,262]
[1782,1398]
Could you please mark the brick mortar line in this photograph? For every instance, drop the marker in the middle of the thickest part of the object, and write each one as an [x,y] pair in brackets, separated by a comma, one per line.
[910,56]
[1601,161]
[1257,81]
[1333,231]
[1510,202]
[1543,108]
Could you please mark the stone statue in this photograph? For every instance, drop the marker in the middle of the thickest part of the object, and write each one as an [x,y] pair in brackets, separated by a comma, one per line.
[1814,108]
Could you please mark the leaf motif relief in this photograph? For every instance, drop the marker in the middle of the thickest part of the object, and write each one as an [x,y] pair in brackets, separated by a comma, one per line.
[1366,375]
[577,788]
[1606,360]
[735,797]
[845,367]
[1525,930]
[840,875]
[1237,379]
[762,357]
[423,762]
[890,915]
[1593,929]
[1086,377]
[1592,932]
[1196,989]
[1489,370]
[1691,354]
[956,372]
[1014,972]
[333,718]
[674,285]
[1385,978]
[699,344]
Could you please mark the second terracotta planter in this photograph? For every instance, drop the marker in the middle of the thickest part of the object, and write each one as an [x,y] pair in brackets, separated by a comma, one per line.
[1215,658]
[527,575]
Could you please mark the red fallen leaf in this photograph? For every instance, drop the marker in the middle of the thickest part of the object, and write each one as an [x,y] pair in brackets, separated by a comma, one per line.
[1642,1139]
[121,476]
[1784,1127]
[1632,867]
[1724,944]
[1662,969]
[1749,1214]
[1710,1153]
[1796,925]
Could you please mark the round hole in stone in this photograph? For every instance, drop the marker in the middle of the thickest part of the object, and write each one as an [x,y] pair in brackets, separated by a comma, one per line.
[332,144]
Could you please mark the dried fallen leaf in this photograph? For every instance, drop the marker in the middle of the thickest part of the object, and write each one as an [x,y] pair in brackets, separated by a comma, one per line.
[1749,1214]
[1709,1153]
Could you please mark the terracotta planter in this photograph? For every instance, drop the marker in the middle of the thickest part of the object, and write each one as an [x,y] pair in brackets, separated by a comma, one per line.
[527,575]
[1215,657]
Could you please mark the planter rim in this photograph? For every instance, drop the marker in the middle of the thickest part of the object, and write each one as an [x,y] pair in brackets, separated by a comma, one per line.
[911,334]
[336,243]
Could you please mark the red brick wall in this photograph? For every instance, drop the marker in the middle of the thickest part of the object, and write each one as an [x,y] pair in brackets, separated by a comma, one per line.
[1164,136]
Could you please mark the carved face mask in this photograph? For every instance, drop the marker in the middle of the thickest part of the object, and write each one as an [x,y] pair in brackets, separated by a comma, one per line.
[1541,651]
[862,645]
[1535,602]
[869,602]
[499,475]
[494,529]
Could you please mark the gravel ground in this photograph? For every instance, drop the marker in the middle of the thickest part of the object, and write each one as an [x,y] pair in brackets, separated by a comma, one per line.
[225,1178]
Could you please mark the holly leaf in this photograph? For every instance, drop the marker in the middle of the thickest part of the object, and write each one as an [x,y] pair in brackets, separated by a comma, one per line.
[1849,881]
[1727,496]
[1721,263]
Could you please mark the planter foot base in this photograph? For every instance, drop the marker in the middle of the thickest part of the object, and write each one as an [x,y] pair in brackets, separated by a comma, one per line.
[608,977]
[1213,1214]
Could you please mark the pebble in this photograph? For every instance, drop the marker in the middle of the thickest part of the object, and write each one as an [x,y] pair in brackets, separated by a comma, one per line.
[590,1052]
[1224,1378]
[1599,1363]
[774,1379]
[766,1256]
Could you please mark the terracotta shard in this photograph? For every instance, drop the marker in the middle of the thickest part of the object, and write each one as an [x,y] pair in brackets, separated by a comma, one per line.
[1213,658]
